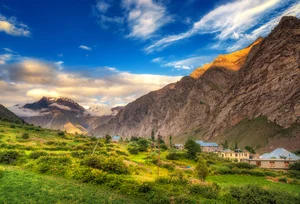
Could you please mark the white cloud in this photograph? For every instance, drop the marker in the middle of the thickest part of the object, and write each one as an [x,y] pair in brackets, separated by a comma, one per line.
[4,58]
[9,50]
[157,60]
[102,5]
[84,47]
[229,21]
[59,64]
[188,63]
[145,17]
[32,79]
[12,27]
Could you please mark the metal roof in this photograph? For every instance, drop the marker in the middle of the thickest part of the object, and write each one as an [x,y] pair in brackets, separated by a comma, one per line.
[280,153]
[116,137]
[206,144]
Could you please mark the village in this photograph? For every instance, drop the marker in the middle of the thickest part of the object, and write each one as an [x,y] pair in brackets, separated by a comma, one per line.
[278,159]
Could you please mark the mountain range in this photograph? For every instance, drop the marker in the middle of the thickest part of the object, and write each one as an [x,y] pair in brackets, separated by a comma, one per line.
[251,96]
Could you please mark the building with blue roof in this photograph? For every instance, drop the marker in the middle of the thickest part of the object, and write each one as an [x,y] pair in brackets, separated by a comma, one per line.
[208,146]
[115,138]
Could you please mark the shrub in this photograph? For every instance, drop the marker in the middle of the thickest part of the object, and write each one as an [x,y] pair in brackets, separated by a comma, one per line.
[164,147]
[37,154]
[53,165]
[143,145]
[173,156]
[93,139]
[241,165]
[9,156]
[248,194]
[121,153]
[295,166]
[133,150]
[206,191]
[61,134]
[283,180]
[145,187]
[192,149]
[83,174]
[79,155]
[201,170]
[25,136]
[110,164]
[170,167]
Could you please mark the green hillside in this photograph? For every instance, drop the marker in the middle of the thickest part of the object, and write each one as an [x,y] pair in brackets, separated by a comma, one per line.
[7,115]
[39,166]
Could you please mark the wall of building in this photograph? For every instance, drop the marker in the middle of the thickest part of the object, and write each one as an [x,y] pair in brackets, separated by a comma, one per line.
[271,164]
[234,155]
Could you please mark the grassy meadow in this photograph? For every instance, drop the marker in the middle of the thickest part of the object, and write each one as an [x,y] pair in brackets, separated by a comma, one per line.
[45,166]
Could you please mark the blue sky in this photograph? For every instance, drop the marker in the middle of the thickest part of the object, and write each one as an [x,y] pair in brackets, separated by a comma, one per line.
[136,44]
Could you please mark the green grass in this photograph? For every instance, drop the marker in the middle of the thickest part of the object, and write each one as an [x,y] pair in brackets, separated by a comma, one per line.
[240,180]
[19,186]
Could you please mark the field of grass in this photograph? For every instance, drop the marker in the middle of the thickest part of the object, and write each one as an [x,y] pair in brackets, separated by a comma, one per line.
[43,166]
[17,185]
[226,181]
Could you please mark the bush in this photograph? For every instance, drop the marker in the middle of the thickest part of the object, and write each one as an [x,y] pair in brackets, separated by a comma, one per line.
[133,150]
[9,156]
[83,174]
[170,167]
[61,134]
[25,136]
[201,170]
[173,156]
[121,153]
[295,166]
[241,165]
[79,155]
[1,171]
[248,194]
[37,154]
[206,191]
[110,164]
[283,180]
[53,165]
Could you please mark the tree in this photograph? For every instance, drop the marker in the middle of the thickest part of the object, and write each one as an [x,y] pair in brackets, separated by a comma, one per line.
[170,138]
[153,135]
[192,148]
[201,170]
[225,145]
[250,149]
[236,145]
[107,138]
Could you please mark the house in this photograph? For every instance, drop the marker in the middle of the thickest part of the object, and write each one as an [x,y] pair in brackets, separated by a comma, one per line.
[237,154]
[179,146]
[115,139]
[280,158]
[208,146]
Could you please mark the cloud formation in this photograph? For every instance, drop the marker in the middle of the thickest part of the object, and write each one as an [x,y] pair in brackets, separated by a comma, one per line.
[231,21]
[84,47]
[29,80]
[143,18]
[12,27]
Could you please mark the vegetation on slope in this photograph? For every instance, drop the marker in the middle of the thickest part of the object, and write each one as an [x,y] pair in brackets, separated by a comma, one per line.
[57,164]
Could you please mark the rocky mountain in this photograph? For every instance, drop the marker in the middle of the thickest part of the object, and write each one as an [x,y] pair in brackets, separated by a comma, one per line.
[56,113]
[7,115]
[251,96]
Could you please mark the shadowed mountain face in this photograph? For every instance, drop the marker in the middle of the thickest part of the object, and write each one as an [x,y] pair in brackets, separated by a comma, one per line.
[260,81]
[7,115]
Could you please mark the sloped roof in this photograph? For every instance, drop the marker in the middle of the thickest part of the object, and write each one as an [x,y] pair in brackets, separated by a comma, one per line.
[280,153]
[116,137]
[206,144]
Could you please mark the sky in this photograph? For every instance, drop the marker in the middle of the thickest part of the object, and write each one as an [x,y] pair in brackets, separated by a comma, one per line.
[109,52]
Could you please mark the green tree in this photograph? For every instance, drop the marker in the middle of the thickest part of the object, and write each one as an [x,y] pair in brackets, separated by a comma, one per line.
[250,149]
[171,142]
[201,170]
[225,145]
[153,135]
[107,138]
[192,148]
[236,145]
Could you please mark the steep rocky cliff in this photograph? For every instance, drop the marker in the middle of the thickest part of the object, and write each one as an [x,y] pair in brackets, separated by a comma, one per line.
[257,88]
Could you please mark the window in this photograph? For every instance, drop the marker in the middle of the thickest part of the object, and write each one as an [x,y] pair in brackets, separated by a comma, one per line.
[245,155]
[272,164]
[286,164]
[258,163]
[236,155]
[231,154]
